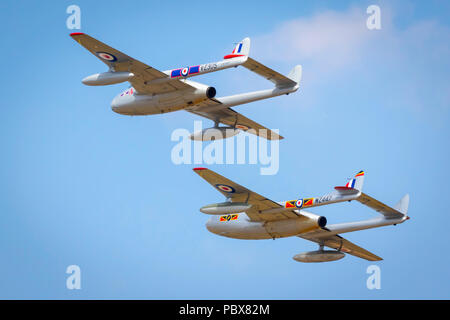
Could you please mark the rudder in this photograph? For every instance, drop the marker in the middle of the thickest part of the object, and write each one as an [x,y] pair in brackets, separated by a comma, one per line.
[403,204]
[296,74]
[357,182]
[240,50]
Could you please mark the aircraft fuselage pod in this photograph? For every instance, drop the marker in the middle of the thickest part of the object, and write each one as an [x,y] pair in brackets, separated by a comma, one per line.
[130,103]
[240,226]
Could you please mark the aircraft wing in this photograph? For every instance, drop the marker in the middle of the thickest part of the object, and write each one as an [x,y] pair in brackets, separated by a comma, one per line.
[337,242]
[232,118]
[237,193]
[119,61]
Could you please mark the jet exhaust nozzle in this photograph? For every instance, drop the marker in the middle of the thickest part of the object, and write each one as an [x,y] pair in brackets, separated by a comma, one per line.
[211,92]
[322,221]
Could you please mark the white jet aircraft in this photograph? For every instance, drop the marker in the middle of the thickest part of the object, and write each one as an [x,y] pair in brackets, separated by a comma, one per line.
[155,92]
[248,215]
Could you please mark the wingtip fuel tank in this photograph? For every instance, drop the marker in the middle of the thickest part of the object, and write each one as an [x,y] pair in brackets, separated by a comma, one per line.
[225,208]
[107,78]
[319,256]
[214,133]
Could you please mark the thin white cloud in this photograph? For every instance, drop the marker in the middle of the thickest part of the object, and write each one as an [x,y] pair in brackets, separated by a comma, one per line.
[331,38]
[412,59]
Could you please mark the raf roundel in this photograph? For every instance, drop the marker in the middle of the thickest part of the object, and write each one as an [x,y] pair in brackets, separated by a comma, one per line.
[107,56]
[299,203]
[225,188]
[184,72]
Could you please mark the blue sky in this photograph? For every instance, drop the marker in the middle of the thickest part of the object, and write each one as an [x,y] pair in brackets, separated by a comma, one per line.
[83,185]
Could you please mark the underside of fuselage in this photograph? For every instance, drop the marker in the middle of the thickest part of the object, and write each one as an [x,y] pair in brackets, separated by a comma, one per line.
[240,226]
[140,105]
[131,102]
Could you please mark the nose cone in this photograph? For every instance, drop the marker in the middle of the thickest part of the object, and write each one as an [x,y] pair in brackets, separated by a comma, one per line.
[211,225]
[115,104]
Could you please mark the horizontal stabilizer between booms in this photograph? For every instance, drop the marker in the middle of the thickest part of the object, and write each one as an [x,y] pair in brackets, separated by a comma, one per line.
[281,81]
[399,211]
[242,50]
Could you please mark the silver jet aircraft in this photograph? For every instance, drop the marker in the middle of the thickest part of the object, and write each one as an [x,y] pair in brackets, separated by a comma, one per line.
[248,215]
[156,92]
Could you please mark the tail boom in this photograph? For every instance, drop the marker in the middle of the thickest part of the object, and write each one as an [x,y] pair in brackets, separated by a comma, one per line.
[351,191]
[363,225]
[237,58]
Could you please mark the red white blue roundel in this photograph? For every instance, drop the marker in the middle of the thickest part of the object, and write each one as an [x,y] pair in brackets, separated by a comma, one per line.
[225,188]
[299,203]
[106,56]
[184,72]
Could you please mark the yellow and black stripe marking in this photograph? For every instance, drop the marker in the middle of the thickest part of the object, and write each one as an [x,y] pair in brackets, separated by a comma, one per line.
[229,217]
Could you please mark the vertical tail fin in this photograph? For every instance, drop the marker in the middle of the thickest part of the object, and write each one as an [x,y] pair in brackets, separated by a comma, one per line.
[240,50]
[296,74]
[357,182]
[402,205]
